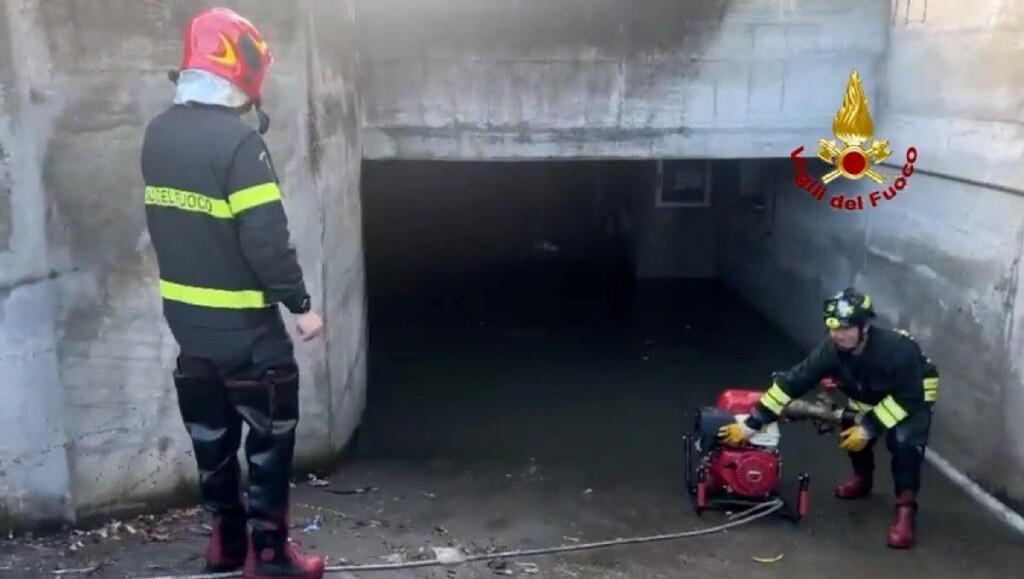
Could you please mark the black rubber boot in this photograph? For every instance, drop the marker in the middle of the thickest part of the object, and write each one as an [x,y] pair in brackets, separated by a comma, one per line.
[271,409]
[216,430]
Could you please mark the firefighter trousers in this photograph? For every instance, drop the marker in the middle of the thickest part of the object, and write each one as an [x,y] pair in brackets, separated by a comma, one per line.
[252,377]
[906,442]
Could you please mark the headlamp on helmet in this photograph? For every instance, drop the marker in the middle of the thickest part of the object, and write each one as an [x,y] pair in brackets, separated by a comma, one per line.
[848,308]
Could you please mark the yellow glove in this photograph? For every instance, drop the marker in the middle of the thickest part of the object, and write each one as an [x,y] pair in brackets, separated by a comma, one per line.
[854,439]
[735,434]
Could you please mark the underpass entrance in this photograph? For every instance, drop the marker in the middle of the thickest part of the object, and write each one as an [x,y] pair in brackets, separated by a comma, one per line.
[556,311]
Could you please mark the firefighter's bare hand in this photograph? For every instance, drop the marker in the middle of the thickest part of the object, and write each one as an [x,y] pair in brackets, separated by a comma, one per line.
[735,434]
[854,439]
[310,325]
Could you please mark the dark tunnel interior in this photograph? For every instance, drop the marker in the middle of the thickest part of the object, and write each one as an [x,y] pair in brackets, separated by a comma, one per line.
[495,243]
[507,320]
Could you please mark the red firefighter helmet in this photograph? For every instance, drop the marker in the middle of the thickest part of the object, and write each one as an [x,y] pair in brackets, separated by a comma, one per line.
[220,41]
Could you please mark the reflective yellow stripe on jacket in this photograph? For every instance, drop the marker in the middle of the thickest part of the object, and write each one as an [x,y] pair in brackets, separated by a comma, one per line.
[237,202]
[212,298]
[931,389]
[188,201]
[888,411]
[859,406]
[775,399]
[254,197]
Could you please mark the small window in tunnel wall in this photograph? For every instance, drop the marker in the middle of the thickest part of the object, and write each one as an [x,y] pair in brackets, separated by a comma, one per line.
[683,183]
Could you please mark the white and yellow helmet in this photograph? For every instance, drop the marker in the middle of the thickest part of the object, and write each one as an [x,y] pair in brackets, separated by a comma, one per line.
[847,308]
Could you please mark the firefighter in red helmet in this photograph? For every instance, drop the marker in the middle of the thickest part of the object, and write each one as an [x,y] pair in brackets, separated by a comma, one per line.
[889,382]
[226,263]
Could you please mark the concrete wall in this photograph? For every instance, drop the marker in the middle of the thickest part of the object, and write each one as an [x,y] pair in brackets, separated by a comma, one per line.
[942,258]
[335,155]
[678,242]
[608,78]
[89,421]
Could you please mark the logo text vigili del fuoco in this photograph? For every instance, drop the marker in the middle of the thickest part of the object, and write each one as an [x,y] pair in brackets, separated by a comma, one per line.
[853,158]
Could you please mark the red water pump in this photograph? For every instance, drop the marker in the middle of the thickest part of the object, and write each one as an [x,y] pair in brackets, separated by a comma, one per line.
[719,477]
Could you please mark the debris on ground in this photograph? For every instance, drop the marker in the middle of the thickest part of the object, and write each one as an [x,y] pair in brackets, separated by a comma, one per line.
[320,509]
[769,559]
[405,554]
[149,528]
[499,566]
[82,571]
[314,481]
[357,491]
[315,525]
[447,555]
[529,568]
[480,549]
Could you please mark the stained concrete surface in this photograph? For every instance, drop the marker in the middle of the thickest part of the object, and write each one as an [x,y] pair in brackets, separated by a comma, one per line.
[608,78]
[507,435]
[964,114]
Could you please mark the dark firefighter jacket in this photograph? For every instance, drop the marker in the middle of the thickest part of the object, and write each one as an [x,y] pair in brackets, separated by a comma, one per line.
[890,380]
[216,221]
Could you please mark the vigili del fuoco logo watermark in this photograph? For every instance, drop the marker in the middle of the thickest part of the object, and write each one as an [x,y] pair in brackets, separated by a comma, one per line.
[851,158]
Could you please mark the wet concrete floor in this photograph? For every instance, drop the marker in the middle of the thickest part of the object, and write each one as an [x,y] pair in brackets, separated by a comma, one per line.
[494,434]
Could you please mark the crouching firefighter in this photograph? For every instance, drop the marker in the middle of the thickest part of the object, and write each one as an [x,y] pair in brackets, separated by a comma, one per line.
[220,234]
[890,384]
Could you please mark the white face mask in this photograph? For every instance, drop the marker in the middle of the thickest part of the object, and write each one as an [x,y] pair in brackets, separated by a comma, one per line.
[202,87]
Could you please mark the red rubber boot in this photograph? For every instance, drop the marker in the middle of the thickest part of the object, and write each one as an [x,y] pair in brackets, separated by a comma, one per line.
[273,556]
[228,546]
[271,408]
[901,534]
[857,487]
